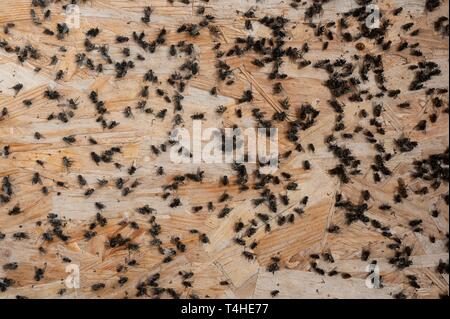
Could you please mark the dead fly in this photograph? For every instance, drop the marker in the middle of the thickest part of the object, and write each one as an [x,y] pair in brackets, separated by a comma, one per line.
[417,53]
[173,50]
[258,63]
[277,88]
[238,226]
[34,17]
[413,281]
[147,13]
[365,255]
[305,200]
[4,113]
[36,179]
[204,238]
[387,45]
[10,266]
[442,268]
[44,190]
[27,103]
[198,116]
[100,206]
[365,195]
[38,136]
[126,52]
[318,270]
[92,32]
[197,177]
[415,225]
[132,170]
[421,126]
[102,182]
[221,109]
[39,274]
[404,144]
[81,181]
[15,211]
[17,88]
[161,114]
[247,96]
[225,212]
[145,91]
[7,186]
[224,197]
[253,245]
[328,257]
[122,39]
[176,202]
[213,91]
[59,75]
[119,183]
[7,27]
[407,26]
[346,276]
[155,150]
[274,265]
[306,165]
[67,162]
[334,229]
[275,293]
[63,30]
[52,95]
[402,46]
[69,139]
[197,209]
[98,286]
[160,171]
[135,184]
[404,105]
[415,33]
[40,163]
[402,191]
[397,11]
[384,207]
[89,192]
[20,236]
[248,255]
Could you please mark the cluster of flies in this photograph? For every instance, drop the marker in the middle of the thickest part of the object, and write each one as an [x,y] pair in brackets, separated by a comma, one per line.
[345,78]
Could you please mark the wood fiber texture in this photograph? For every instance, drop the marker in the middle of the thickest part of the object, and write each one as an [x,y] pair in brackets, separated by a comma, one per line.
[220,260]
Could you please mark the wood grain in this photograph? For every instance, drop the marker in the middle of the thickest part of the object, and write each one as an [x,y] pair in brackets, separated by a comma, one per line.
[221,259]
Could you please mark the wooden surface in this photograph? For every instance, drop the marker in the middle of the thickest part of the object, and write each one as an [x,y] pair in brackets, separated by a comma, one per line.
[221,259]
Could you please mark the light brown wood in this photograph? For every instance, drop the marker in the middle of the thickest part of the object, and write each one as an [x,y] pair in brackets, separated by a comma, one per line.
[221,259]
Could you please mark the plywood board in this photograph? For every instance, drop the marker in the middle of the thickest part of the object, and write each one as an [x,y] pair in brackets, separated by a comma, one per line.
[219,268]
